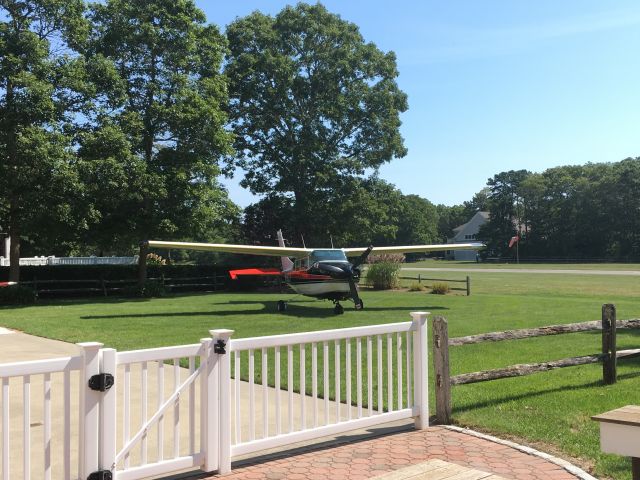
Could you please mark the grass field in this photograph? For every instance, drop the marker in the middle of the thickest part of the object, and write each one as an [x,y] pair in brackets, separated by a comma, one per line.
[550,410]
[512,265]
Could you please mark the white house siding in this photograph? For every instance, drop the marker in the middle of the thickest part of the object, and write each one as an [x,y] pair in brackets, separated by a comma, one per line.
[467,233]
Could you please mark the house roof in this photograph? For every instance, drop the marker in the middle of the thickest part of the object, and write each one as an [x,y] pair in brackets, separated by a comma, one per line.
[484,215]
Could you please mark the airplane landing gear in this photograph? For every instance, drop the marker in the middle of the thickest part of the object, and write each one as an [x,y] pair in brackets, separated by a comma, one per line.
[282,305]
[359,304]
[338,309]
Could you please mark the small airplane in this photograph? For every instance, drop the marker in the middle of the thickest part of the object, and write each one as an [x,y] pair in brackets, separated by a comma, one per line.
[324,273]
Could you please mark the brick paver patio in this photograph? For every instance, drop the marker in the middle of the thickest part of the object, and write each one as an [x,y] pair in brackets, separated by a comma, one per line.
[370,458]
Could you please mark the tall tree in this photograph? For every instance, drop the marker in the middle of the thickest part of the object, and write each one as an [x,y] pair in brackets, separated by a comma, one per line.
[311,104]
[418,222]
[162,122]
[450,217]
[508,211]
[39,80]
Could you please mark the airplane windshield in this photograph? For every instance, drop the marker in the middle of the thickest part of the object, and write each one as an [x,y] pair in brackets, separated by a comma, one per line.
[327,255]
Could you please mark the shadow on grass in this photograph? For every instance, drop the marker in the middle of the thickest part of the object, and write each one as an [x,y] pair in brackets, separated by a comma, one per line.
[511,398]
[269,308]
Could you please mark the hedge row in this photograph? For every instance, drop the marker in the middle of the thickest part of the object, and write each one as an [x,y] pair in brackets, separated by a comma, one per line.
[69,277]
[112,272]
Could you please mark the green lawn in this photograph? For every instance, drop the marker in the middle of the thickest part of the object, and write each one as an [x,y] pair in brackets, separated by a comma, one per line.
[551,409]
[511,265]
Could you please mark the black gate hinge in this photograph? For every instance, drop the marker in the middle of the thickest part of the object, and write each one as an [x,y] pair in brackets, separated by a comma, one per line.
[101,383]
[219,347]
[100,475]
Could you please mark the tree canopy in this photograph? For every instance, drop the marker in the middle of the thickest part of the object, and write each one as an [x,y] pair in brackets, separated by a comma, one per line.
[577,211]
[41,81]
[159,124]
[312,105]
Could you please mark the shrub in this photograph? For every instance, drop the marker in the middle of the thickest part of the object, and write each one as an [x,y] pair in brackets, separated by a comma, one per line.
[155,259]
[151,289]
[17,295]
[416,287]
[383,275]
[440,288]
[386,258]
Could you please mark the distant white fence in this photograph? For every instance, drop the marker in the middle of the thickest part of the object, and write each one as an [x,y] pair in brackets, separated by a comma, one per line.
[188,411]
[52,260]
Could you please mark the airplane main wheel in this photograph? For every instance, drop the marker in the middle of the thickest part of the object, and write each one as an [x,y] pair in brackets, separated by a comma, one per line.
[359,304]
[282,305]
[338,309]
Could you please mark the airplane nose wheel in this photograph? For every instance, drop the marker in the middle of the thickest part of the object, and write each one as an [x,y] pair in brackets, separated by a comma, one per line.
[282,305]
[338,309]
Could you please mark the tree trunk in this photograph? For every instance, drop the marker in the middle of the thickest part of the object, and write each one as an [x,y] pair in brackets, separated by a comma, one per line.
[142,264]
[14,250]
[12,154]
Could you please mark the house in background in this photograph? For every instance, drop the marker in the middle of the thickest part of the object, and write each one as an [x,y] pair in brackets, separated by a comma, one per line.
[466,233]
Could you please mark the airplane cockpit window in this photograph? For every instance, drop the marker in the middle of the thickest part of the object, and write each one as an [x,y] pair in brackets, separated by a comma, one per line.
[327,255]
[301,263]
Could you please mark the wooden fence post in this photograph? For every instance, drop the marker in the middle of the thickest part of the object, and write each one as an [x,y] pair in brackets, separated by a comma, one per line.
[441,368]
[609,364]
[468,286]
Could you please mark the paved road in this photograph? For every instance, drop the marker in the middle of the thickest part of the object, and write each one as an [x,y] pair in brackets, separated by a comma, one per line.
[626,273]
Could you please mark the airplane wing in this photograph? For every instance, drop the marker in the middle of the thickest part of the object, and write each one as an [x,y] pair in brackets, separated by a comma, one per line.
[243,249]
[352,252]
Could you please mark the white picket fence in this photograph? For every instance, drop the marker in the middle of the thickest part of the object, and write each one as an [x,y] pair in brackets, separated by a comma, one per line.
[52,260]
[185,407]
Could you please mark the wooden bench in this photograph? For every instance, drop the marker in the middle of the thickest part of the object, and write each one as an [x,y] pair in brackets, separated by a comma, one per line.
[438,470]
[620,434]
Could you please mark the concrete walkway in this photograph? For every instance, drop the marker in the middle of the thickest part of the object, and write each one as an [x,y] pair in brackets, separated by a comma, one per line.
[361,459]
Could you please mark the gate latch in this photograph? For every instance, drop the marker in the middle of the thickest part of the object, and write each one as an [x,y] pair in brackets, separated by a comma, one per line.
[100,475]
[101,383]
[219,347]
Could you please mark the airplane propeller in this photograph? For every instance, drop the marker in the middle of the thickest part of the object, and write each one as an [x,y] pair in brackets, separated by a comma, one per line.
[355,273]
[361,259]
[349,272]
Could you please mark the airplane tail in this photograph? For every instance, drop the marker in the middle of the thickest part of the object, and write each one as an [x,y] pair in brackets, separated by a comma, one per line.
[287,264]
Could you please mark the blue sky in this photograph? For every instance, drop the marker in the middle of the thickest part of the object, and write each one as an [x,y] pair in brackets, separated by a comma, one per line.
[496,85]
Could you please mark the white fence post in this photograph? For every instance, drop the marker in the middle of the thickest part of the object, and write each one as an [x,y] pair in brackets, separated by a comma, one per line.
[420,369]
[220,342]
[108,418]
[208,436]
[89,409]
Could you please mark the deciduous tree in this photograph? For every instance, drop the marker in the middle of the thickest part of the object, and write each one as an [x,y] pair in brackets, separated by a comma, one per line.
[41,83]
[312,105]
[159,128]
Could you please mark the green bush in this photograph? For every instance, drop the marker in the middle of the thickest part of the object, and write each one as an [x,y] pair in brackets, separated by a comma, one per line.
[417,287]
[440,288]
[383,275]
[151,289]
[17,295]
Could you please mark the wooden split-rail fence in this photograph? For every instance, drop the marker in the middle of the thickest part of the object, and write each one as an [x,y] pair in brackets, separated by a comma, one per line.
[465,288]
[110,287]
[608,356]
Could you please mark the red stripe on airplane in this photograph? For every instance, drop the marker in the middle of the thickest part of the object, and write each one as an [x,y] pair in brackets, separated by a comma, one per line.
[253,271]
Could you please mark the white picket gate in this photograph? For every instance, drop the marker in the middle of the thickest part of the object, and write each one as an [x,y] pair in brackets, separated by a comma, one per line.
[158,411]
